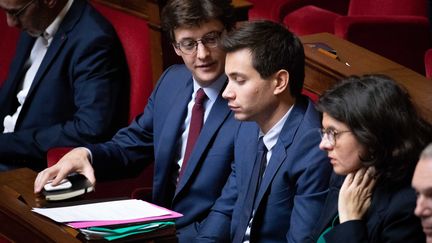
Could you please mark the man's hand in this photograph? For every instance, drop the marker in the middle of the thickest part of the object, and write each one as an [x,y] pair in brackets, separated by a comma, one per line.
[77,160]
[355,194]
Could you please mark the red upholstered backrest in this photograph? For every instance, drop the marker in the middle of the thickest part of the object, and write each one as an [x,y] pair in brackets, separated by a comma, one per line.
[270,10]
[8,43]
[388,7]
[428,63]
[55,154]
[135,38]
[276,10]
[336,6]
[3,239]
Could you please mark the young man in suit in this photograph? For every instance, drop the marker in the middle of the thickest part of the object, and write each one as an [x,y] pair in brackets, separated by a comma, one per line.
[275,193]
[422,183]
[67,84]
[189,186]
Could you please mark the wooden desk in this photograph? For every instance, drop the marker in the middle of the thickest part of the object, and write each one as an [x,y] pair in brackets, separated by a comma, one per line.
[17,198]
[323,71]
[20,224]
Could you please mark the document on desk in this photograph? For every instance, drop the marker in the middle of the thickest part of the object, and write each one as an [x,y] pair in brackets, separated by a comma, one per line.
[104,211]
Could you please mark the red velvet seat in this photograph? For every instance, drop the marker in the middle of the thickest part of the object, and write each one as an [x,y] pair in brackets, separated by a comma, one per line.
[398,30]
[8,43]
[270,10]
[277,9]
[135,38]
[428,63]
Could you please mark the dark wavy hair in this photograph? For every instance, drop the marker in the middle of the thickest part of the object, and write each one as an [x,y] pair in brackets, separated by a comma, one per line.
[383,119]
[273,47]
[193,13]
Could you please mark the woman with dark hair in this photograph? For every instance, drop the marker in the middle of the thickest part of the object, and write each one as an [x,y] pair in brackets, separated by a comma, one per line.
[373,136]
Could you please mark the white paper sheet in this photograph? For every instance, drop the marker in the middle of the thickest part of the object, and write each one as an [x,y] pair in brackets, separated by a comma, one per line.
[112,210]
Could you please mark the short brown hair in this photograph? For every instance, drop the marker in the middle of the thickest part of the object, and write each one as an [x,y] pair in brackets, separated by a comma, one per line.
[192,13]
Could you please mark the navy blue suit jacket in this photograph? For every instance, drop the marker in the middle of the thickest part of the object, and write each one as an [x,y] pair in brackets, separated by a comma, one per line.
[79,93]
[293,189]
[155,134]
[390,217]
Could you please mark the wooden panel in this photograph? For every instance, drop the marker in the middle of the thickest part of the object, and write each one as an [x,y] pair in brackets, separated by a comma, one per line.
[323,71]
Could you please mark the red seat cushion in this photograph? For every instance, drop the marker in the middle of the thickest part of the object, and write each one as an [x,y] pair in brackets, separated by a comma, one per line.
[8,45]
[310,20]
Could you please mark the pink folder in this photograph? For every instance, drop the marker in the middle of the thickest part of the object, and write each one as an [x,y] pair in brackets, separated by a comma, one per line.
[86,224]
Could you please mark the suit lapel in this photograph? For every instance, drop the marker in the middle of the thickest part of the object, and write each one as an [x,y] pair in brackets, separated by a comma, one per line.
[249,167]
[53,49]
[58,42]
[250,156]
[217,116]
[279,150]
[171,130]
[329,211]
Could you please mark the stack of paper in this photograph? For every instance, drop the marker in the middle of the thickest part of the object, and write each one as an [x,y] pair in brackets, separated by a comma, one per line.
[121,218]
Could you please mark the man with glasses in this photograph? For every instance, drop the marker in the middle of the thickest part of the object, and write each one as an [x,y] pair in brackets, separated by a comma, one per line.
[280,177]
[16,13]
[186,128]
[67,84]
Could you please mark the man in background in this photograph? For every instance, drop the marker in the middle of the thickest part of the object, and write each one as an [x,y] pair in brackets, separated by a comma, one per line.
[67,85]
[422,183]
[187,128]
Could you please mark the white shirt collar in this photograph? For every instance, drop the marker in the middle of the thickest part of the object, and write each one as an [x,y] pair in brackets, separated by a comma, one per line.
[212,91]
[272,135]
[51,30]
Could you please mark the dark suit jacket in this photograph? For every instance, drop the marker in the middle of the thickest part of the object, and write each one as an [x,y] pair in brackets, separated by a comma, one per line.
[390,217]
[78,95]
[155,135]
[293,189]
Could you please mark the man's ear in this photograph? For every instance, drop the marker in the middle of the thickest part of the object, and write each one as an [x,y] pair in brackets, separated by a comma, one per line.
[177,50]
[281,79]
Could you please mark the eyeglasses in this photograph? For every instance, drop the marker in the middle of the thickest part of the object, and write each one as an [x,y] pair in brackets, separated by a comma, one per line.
[190,46]
[330,134]
[17,13]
